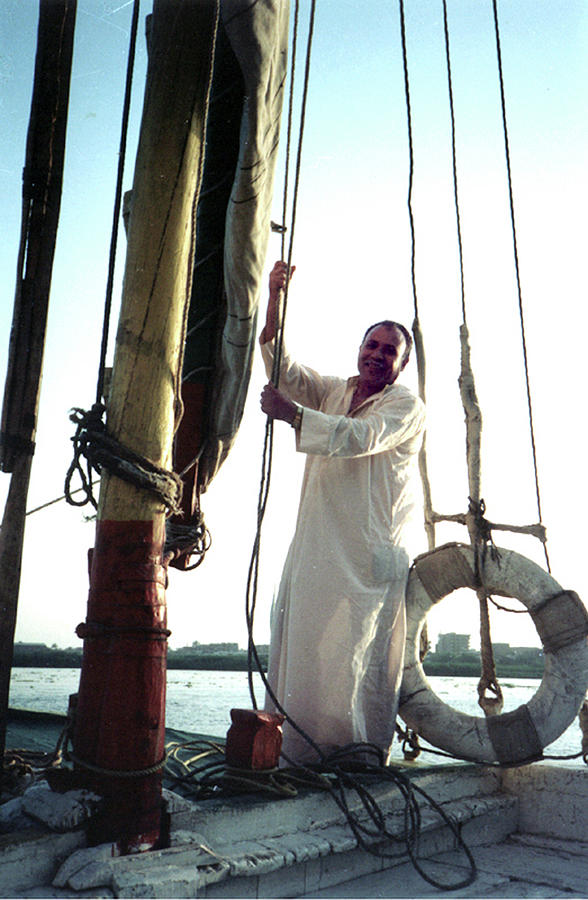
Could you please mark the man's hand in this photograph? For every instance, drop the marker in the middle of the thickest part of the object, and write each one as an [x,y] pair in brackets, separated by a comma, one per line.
[276,405]
[279,278]
[277,284]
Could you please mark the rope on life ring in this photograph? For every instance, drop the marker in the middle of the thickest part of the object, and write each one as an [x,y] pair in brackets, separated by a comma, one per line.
[562,624]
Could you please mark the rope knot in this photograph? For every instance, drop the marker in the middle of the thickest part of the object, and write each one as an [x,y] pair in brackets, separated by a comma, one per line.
[92,441]
[481,534]
[185,540]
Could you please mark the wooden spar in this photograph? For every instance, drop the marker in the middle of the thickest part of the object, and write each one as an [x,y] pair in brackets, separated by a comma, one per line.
[42,182]
[120,719]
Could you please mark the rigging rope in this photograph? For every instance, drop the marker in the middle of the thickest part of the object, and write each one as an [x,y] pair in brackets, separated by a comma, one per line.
[117,200]
[479,528]
[416,327]
[517,270]
[253,573]
[480,535]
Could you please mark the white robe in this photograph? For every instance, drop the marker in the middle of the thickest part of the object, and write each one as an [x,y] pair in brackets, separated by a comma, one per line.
[338,621]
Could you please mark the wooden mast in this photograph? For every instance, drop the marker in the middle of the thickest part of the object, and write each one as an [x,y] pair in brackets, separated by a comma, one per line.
[42,183]
[120,720]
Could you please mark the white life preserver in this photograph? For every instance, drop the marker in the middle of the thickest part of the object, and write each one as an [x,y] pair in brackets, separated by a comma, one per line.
[562,623]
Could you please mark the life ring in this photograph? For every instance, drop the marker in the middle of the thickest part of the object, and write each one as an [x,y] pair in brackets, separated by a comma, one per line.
[562,623]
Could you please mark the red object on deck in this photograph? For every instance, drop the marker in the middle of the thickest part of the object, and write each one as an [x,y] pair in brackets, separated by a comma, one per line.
[254,740]
[120,720]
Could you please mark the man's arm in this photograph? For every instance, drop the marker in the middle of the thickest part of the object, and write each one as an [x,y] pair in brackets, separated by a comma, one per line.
[277,285]
[396,422]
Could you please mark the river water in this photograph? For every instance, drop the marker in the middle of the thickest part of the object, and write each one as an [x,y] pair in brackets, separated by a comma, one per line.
[200,701]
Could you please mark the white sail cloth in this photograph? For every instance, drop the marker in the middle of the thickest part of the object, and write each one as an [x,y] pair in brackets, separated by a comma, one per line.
[338,621]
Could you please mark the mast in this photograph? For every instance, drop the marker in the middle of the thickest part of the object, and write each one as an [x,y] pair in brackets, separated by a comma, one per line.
[42,183]
[120,720]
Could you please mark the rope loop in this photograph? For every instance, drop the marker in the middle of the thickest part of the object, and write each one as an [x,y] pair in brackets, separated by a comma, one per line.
[410,742]
[101,451]
[192,539]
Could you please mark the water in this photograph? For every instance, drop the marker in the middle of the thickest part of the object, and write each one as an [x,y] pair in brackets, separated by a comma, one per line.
[200,701]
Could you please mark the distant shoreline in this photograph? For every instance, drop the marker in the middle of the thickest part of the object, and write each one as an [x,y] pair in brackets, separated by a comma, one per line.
[237,662]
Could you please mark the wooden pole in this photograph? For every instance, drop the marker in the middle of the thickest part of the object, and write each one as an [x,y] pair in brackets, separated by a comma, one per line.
[42,182]
[120,719]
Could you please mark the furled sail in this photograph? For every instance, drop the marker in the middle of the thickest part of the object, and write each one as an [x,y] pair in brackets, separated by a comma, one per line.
[233,226]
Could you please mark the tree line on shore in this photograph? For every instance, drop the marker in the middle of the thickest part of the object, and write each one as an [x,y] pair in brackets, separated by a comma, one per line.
[467,665]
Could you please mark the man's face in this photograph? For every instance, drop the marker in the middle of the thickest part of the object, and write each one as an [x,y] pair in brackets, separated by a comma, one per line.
[380,357]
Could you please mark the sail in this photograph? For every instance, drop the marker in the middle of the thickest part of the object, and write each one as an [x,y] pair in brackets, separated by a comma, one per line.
[233,224]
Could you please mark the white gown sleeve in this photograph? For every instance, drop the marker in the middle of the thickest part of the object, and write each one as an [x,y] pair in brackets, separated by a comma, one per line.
[395,420]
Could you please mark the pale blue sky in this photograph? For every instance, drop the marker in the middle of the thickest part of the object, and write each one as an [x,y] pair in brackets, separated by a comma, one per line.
[352,252]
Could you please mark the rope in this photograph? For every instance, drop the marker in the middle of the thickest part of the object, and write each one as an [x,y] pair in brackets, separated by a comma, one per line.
[117,773]
[204,775]
[117,200]
[454,160]
[102,451]
[416,327]
[411,157]
[517,271]
[476,524]
[193,538]
[282,229]
[265,478]
[412,739]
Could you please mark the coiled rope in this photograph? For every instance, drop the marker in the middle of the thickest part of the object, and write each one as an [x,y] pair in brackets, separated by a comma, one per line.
[203,775]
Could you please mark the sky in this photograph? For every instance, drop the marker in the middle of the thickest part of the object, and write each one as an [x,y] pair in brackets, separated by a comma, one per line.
[352,251]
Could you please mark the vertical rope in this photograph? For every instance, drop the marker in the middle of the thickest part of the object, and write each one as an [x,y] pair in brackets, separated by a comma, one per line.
[473,415]
[282,317]
[517,270]
[266,467]
[410,159]
[117,200]
[289,130]
[416,326]
[454,161]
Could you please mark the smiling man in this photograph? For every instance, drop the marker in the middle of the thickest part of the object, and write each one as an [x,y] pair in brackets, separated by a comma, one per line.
[338,621]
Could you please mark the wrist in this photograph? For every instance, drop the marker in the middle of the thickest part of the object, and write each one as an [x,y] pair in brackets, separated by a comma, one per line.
[296,421]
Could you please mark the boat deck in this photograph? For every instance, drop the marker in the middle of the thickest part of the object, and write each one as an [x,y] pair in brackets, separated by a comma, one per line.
[525,827]
[524,865]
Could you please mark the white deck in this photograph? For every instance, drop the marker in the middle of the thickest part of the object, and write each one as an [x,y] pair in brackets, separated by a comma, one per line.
[526,829]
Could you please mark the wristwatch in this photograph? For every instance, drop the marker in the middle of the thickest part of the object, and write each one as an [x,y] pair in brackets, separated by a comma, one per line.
[297,420]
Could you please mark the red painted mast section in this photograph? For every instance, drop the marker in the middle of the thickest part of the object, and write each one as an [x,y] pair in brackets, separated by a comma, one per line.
[120,721]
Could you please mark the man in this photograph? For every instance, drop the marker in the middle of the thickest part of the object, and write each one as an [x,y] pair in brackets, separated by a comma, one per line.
[338,621]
